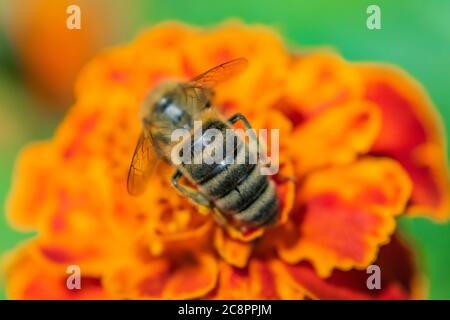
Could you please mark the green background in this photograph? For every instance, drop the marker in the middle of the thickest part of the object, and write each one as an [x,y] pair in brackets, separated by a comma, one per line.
[414,35]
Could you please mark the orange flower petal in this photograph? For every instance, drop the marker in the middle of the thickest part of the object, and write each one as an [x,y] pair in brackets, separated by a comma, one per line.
[129,70]
[75,212]
[399,277]
[167,44]
[195,234]
[184,275]
[233,251]
[31,188]
[344,214]
[29,279]
[285,182]
[55,256]
[259,86]
[245,235]
[315,82]
[336,136]
[411,132]
[170,220]
[179,273]
[113,70]
[257,281]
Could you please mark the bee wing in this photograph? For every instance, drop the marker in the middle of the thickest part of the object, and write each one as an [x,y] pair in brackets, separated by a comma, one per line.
[142,166]
[220,73]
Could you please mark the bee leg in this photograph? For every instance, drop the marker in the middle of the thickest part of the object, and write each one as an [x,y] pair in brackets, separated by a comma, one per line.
[220,218]
[240,117]
[195,196]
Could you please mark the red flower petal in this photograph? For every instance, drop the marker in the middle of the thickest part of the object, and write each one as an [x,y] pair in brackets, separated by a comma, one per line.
[344,214]
[257,281]
[336,136]
[233,251]
[411,133]
[29,278]
[178,275]
[399,277]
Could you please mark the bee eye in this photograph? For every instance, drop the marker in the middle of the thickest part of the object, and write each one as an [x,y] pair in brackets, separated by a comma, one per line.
[163,103]
[208,104]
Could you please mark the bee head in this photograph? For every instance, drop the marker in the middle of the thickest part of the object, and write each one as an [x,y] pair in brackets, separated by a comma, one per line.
[158,99]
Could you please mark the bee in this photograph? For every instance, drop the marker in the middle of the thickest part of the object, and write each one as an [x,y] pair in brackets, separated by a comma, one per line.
[238,193]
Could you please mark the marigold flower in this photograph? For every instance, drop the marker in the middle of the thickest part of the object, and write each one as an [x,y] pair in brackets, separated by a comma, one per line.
[362,141]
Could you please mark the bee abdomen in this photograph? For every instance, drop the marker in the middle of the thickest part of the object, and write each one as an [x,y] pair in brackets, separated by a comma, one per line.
[237,188]
[218,179]
[252,201]
[227,180]
[243,194]
[263,211]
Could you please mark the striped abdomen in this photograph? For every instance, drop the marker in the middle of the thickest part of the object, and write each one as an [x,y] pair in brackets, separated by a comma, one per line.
[237,189]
